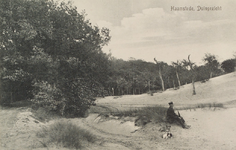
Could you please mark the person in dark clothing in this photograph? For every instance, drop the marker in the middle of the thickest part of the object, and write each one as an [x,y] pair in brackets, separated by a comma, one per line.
[173,117]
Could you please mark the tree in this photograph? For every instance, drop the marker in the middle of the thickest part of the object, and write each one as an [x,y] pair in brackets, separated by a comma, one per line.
[202,73]
[212,63]
[170,76]
[53,51]
[188,63]
[177,65]
[235,60]
[133,76]
[228,65]
[160,68]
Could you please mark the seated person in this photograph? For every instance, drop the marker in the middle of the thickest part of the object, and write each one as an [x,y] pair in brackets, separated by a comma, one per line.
[173,117]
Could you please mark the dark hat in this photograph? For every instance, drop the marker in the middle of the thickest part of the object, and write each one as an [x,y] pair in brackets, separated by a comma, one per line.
[170,103]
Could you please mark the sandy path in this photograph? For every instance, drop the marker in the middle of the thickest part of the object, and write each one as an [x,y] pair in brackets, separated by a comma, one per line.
[18,129]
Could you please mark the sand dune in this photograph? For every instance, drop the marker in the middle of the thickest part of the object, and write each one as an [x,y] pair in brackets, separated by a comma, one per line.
[210,128]
[220,89]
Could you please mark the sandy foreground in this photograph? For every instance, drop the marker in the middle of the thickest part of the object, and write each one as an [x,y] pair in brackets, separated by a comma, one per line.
[211,128]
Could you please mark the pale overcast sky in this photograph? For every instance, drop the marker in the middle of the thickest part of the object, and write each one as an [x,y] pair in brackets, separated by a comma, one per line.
[144,29]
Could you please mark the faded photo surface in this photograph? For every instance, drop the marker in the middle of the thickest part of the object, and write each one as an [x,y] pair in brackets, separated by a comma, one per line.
[117,74]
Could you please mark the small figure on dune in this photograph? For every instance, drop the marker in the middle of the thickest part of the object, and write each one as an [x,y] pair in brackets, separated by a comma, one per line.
[173,117]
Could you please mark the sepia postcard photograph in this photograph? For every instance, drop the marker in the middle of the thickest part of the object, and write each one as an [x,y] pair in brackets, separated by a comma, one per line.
[117,75]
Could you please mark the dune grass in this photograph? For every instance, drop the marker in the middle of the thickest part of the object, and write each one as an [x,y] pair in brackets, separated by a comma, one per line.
[210,105]
[65,134]
[44,115]
[203,106]
[156,114]
[151,113]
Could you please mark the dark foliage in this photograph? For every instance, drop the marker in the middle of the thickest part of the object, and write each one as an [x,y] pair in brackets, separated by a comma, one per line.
[51,55]
[228,65]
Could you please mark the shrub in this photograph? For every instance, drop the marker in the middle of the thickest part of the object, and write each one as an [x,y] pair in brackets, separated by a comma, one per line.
[228,65]
[56,63]
[154,114]
[66,134]
[63,103]
[146,114]
[48,97]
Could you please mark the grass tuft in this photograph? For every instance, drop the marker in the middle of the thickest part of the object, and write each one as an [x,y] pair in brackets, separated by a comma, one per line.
[203,106]
[210,105]
[154,114]
[65,134]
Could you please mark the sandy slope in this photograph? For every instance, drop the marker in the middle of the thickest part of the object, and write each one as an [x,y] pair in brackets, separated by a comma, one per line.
[211,129]
[220,89]
[17,129]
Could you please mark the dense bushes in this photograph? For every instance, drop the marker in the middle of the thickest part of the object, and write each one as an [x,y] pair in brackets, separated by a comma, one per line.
[51,55]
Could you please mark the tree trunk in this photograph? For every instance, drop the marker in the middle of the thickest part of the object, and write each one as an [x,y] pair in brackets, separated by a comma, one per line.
[113,92]
[174,84]
[191,67]
[11,98]
[149,85]
[119,91]
[194,92]
[11,94]
[103,92]
[177,75]
[211,74]
[168,79]
[162,82]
